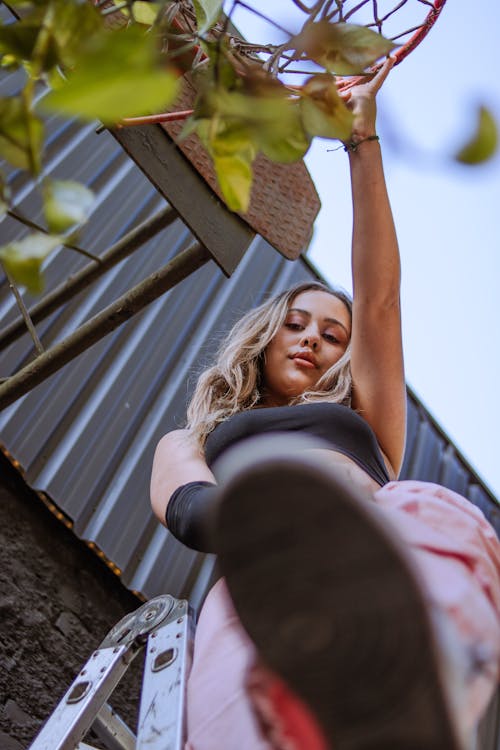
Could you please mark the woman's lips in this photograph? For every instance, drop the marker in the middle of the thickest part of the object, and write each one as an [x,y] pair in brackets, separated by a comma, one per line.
[304,363]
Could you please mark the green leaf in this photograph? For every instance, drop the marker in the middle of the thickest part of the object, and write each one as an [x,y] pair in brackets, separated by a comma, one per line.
[220,66]
[207,13]
[324,114]
[231,138]
[287,148]
[234,174]
[18,40]
[191,125]
[145,13]
[5,196]
[21,135]
[258,114]
[341,48]
[23,259]
[118,76]
[288,142]
[483,144]
[250,109]
[52,35]
[123,11]
[232,150]
[55,78]
[75,27]
[27,3]
[272,121]
[67,204]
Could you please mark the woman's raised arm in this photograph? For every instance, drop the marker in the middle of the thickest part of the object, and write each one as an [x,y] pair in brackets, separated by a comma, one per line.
[379,392]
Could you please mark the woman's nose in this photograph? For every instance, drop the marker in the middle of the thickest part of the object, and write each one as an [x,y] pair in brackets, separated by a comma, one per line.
[310,339]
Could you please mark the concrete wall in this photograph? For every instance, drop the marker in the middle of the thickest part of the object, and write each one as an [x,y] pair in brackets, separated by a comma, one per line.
[57,602]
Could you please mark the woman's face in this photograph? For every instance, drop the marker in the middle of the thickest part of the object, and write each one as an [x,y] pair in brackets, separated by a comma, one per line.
[314,336]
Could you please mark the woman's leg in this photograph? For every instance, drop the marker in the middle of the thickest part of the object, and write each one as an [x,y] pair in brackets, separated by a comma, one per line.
[219,713]
[458,555]
[233,701]
[340,609]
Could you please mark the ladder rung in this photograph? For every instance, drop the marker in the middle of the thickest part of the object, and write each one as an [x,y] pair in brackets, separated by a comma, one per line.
[112,730]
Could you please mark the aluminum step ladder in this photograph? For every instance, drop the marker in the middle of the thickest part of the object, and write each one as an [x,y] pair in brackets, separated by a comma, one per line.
[163,627]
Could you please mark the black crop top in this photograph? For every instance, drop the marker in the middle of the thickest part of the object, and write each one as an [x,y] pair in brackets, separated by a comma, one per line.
[338,425]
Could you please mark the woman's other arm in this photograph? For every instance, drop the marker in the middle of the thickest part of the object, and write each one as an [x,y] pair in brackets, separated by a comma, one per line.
[379,392]
[178,460]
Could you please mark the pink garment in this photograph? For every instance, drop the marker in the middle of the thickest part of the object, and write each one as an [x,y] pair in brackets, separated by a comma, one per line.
[458,555]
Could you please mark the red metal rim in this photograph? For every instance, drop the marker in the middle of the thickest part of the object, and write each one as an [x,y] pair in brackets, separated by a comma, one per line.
[343,84]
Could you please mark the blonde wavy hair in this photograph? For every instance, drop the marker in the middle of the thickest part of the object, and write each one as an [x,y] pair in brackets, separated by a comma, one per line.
[233,383]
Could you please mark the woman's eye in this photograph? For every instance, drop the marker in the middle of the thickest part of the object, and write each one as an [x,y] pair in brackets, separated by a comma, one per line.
[331,338]
[294,326]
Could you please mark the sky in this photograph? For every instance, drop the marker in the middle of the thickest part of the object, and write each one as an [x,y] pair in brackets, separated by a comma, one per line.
[447,217]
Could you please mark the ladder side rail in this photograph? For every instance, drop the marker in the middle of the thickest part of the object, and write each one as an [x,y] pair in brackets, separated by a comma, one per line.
[168,660]
[78,708]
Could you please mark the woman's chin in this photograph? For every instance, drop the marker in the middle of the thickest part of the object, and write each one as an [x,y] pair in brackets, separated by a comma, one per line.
[286,395]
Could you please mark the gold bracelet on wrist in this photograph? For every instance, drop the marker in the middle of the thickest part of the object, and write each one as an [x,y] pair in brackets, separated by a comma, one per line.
[352,146]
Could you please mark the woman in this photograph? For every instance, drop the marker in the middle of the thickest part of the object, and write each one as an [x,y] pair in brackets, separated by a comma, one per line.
[365,597]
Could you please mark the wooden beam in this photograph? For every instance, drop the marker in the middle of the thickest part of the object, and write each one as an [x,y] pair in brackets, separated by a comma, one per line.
[81,279]
[224,234]
[129,304]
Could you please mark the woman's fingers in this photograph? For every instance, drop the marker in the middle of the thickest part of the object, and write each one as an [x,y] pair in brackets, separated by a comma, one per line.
[380,76]
[372,83]
[345,95]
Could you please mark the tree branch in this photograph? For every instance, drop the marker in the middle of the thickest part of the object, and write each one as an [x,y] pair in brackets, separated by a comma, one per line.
[104,322]
[24,312]
[33,225]
[80,280]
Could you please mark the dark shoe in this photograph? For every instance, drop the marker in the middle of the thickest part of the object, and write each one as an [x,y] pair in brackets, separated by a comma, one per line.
[331,600]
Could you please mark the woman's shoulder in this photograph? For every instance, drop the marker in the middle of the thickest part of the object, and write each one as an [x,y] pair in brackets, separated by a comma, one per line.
[179,437]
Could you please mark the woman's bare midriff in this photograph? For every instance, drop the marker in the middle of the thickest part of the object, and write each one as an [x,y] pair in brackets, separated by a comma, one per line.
[347,468]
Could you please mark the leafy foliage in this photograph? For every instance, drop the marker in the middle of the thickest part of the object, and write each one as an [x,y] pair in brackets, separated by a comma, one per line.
[323,112]
[118,59]
[101,86]
[67,205]
[232,152]
[207,13]
[240,114]
[52,33]
[145,13]
[21,134]
[242,109]
[4,197]
[341,48]
[92,71]
[483,144]
[23,259]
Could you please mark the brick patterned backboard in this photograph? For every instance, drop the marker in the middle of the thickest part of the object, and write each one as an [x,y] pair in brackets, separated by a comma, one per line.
[284,202]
